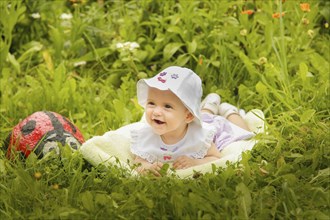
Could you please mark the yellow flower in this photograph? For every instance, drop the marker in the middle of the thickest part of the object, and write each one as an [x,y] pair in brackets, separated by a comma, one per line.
[37,175]
[55,186]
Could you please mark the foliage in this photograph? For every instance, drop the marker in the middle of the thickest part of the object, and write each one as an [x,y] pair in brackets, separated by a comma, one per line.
[71,57]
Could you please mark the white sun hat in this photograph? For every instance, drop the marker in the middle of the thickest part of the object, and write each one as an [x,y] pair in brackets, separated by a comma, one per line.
[183,82]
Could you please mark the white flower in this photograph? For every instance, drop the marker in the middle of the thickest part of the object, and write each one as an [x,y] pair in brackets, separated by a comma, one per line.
[127,45]
[119,45]
[310,33]
[134,45]
[80,63]
[35,15]
[65,16]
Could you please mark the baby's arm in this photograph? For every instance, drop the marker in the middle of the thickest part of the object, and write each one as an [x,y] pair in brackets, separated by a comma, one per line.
[145,167]
[184,162]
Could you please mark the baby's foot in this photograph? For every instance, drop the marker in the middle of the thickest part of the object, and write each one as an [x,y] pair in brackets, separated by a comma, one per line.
[226,109]
[211,103]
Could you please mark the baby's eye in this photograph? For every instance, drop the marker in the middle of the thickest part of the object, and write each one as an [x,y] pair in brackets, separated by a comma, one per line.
[168,106]
[150,103]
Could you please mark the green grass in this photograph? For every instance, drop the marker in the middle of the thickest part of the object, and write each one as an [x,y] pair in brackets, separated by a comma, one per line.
[279,65]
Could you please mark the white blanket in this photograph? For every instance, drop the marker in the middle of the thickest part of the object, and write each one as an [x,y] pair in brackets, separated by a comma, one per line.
[114,147]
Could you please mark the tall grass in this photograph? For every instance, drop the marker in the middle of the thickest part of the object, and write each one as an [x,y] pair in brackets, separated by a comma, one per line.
[254,59]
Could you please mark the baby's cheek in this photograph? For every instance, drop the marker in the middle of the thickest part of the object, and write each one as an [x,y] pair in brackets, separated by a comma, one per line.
[148,115]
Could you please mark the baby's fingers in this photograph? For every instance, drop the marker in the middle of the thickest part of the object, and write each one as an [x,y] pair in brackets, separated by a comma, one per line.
[159,165]
[155,172]
[179,164]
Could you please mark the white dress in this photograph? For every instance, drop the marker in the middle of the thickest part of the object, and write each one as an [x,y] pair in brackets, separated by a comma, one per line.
[149,146]
[195,144]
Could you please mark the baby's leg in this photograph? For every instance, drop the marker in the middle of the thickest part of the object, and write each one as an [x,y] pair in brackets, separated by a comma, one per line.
[238,120]
[231,113]
[211,104]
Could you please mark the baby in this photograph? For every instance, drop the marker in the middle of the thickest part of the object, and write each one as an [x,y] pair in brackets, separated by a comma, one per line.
[180,129]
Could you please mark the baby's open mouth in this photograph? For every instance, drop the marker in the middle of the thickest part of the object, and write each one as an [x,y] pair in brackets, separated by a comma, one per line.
[158,121]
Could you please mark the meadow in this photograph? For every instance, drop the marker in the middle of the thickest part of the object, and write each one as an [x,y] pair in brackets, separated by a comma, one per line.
[82,59]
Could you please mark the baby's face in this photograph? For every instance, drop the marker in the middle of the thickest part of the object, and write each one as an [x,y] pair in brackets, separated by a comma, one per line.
[165,112]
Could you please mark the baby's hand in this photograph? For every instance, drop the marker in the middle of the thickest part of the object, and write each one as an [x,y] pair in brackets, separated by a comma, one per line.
[183,162]
[153,168]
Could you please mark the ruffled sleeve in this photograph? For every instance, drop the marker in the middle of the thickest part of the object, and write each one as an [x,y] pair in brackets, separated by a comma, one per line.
[206,135]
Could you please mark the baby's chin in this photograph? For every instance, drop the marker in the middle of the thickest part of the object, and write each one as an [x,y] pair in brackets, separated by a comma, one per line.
[157,130]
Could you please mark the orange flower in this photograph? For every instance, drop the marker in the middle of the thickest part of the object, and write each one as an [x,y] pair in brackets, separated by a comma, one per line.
[247,12]
[200,61]
[305,7]
[278,15]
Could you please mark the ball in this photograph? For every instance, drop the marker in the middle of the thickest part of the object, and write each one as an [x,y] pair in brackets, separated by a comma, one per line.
[41,133]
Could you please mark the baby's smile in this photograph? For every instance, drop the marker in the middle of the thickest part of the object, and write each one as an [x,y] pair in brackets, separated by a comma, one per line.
[158,121]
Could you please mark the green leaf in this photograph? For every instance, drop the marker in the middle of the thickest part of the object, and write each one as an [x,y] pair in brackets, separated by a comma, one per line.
[307,115]
[214,168]
[216,63]
[32,82]
[79,115]
[261,88]
[94,55]
[244,200]
[321,65]
[146,201]
[303,71]
[59,74]
[191,46]
[102,199]
[34,47]
[182,59]
[56,35]
[164,169]
[71,83]
[14,62]
[245,59]
[2,167]
[32,159]
[174,29]
[170,50]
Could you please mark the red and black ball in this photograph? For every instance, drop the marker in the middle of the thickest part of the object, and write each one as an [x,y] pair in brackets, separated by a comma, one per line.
[41,133]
